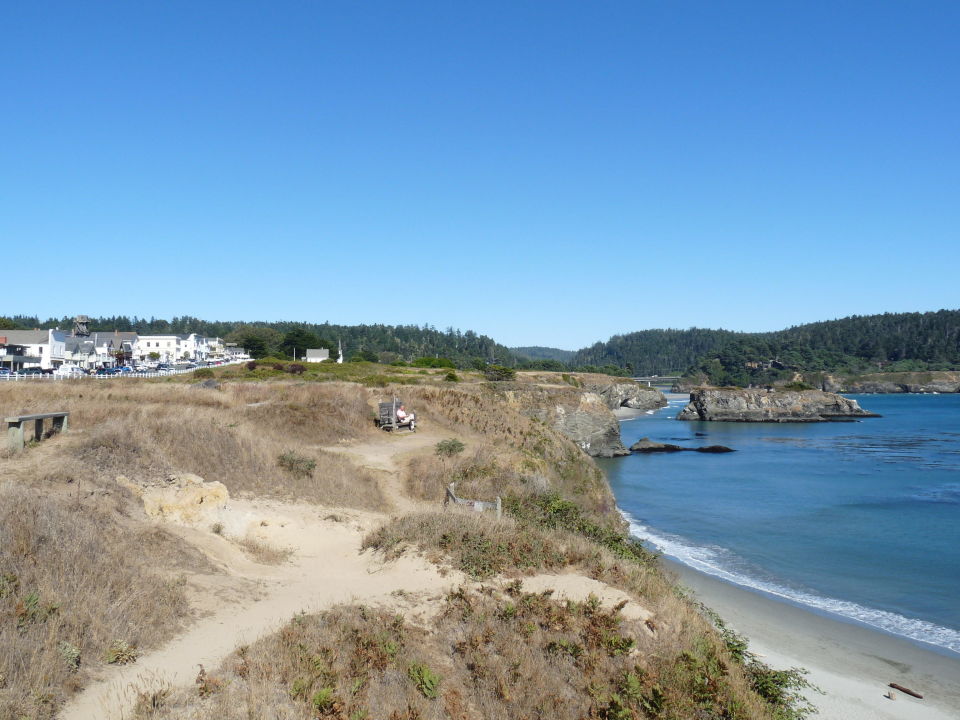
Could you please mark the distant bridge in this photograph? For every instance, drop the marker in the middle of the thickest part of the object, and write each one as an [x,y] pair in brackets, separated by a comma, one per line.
[652,380]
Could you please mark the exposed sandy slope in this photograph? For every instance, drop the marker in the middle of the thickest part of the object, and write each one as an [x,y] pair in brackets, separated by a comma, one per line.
[326,569]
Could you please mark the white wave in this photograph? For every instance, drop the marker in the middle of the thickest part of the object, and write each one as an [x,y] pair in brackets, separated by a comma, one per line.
[710,561]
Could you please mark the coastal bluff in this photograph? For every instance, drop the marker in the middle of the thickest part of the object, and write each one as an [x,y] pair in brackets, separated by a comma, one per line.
[760,405]
[939,381]
[580,406]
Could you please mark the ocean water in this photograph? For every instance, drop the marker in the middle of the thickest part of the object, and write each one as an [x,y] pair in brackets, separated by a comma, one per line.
[861,519]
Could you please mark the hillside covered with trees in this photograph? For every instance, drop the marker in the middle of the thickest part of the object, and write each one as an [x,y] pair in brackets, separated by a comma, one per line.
[853,345]
[856,344]
[655,352]
[537,352]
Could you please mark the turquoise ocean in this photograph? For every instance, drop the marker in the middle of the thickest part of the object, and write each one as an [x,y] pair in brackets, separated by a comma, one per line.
[859,520]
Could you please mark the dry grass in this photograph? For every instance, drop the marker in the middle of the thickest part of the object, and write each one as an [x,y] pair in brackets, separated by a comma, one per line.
[518,454]
[701,668]
[262,552]
[73,581]
[146,431]
[79,573]
[487,654]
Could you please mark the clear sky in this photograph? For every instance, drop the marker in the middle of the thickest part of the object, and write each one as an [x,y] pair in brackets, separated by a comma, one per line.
[546,173]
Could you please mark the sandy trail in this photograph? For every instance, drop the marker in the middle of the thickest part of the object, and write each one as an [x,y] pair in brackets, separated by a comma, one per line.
[384,457]
[328,569]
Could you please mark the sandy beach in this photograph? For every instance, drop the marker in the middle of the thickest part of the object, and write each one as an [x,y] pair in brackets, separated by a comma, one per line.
[851,663]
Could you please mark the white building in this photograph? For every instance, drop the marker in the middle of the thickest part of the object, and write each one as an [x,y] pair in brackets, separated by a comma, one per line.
[43,348]
[172,348]
[317,355]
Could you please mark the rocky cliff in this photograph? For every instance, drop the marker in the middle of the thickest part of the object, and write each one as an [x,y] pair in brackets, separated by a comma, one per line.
[584,417]
[906,382]
[739,405]
[627,394]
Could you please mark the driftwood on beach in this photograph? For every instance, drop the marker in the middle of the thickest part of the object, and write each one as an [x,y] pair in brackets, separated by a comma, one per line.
[908,691]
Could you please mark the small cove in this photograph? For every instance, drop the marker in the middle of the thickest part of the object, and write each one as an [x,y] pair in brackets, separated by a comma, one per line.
[861,519]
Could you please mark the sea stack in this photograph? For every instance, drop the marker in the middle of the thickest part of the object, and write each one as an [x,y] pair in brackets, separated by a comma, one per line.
[761,405]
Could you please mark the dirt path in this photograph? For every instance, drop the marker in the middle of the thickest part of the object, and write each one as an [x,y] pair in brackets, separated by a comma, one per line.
[385,455]
[327,569]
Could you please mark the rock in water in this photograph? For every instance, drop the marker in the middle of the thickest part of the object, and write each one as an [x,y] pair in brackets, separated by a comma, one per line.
[742,405]
[646,445]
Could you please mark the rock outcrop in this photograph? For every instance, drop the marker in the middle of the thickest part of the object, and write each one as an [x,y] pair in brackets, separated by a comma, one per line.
[626,394]
[646,445]
[906,382]
[184,499]
[582,416]
[740,405]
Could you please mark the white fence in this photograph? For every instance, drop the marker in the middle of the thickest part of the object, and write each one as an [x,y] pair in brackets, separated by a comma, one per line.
[48,377]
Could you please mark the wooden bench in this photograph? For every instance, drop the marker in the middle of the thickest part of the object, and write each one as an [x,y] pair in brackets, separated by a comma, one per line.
[15,427]
[387,417]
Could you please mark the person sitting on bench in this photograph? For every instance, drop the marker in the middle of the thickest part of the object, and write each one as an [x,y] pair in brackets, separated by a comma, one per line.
[405,418]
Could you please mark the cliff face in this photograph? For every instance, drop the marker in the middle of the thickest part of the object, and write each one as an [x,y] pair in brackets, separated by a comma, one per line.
[625,394]
[582,416]
[739,405]
[908,382]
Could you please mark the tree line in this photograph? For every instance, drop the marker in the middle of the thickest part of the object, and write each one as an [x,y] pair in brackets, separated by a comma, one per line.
[376,343]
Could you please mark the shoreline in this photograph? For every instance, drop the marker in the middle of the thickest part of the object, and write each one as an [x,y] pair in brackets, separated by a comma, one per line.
[851,663]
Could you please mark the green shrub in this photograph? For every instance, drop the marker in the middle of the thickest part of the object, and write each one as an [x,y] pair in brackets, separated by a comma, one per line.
[323,700]
[433,362]
[427,681]
[552,511]
[448,448]
[121,652]
[70,654]
[497,373]
[202,373]
[798,386]
[296,465]
[451,377]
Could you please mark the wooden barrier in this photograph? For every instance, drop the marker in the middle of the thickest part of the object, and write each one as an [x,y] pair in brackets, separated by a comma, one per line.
[15,427]
[477,505]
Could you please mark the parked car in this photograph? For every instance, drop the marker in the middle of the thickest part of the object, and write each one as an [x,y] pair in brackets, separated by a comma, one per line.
[5,371]
[106,371]
[69,371]
[122,369]
[30,371]
[164,367]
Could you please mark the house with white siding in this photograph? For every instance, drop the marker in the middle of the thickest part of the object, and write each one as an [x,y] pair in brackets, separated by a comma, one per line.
[171,348]
[41,348]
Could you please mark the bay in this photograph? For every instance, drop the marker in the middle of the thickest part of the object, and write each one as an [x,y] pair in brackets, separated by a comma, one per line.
[859,519]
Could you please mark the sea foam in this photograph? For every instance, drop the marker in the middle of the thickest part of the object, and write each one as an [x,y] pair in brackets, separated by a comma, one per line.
[712,562]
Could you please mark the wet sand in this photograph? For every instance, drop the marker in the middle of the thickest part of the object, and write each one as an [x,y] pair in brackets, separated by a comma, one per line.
[851,663]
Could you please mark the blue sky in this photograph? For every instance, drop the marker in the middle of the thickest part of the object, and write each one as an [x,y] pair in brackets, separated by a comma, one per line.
[544,173]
